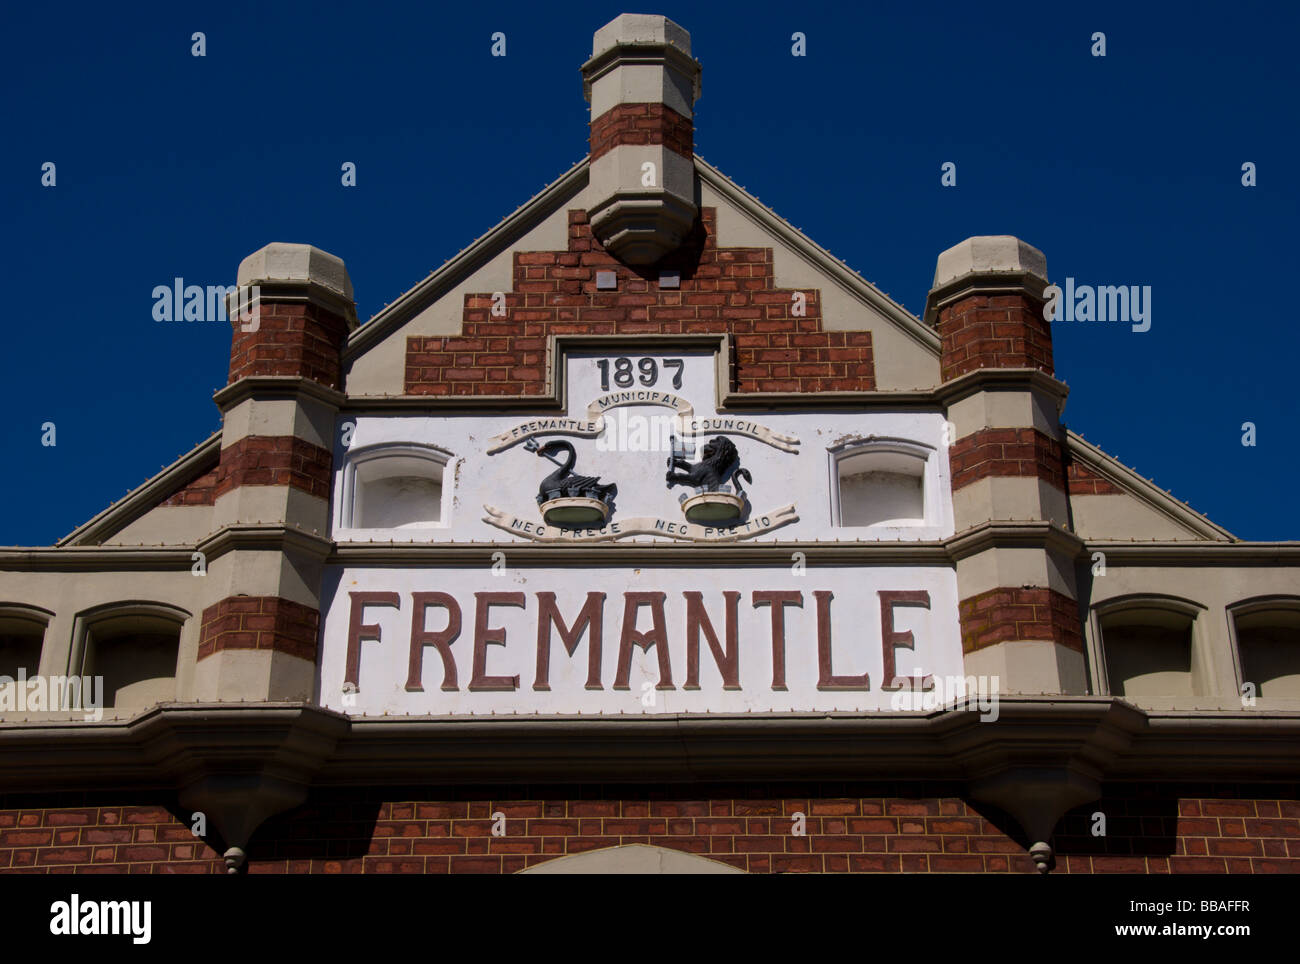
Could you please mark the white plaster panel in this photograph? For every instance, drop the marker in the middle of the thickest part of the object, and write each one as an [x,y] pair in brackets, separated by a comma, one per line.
[856,639]
[509,479]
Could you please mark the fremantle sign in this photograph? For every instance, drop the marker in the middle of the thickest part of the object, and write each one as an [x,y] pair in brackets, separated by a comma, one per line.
[569,640]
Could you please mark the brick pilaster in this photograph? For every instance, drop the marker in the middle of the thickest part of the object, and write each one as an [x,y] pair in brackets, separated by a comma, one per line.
[300,339]
[994,331]
[1005,453]
[259,622]
[642,124]
[1011,613]
[1020,620]
[271,489]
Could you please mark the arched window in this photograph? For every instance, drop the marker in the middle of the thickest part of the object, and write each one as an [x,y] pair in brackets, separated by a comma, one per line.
[395,487]
[881,482]
[1151,648]
[22,635]
[1267,635]
[633,859]
[135,647]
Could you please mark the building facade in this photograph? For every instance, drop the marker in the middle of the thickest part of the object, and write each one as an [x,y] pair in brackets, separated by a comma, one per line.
[645,535]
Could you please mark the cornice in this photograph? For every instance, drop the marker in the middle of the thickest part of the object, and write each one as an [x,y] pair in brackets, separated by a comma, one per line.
[308,292]
[271,538]
[1002,380]
[969,542]
[1279,554]
[640,52]
[1030,534]
[992,283]
[645,553]
[1100,737]
[95,559]
[277,387]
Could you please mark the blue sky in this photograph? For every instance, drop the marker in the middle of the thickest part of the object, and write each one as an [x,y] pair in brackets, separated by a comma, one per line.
[1123,170]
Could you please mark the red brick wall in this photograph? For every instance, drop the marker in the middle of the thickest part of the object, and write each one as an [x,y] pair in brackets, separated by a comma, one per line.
[77,834]
[642,124]
[1004,331]
[292,338]
[1006,452]
[259,622]
[275,460]
[1083,481]
[1009,613]
[873,828]
[202,491]
[722,290]
[1218,829]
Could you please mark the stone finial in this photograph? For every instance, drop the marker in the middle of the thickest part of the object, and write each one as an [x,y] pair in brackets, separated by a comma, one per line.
[642,84]
[994,263]
[299,272]
[989,254]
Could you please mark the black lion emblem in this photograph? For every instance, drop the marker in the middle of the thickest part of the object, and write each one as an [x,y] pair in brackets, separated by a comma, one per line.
[719,463]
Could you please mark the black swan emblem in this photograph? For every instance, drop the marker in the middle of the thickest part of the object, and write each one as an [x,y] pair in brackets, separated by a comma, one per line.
[562,483]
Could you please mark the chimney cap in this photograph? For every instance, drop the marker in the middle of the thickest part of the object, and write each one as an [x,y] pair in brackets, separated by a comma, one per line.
[989,254]
[640,28]
[991,263]
[285,263]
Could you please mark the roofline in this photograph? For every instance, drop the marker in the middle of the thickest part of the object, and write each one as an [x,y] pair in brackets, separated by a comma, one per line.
[540,205]
[467,260]
[1163,501]
[202,458]
[838,270]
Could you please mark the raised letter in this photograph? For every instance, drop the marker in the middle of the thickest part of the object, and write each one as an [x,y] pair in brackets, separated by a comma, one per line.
[892,640]
[590,618]
[359,632]
[825,679]
[657,637]
[697,618]
[440,640]
[778,599]
[480,681]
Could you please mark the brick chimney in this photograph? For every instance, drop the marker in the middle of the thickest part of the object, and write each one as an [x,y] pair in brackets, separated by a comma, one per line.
[642,84]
